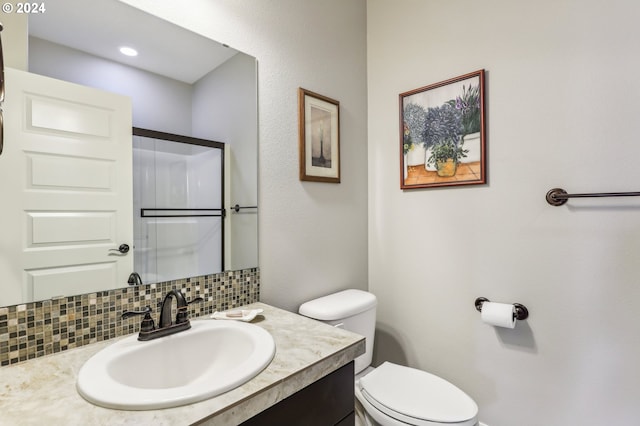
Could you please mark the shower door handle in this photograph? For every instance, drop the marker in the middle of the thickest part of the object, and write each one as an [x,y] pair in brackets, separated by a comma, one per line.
[123,249]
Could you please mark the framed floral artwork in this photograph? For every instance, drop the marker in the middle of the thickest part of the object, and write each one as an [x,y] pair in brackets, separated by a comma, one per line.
[442,134]
[319,137]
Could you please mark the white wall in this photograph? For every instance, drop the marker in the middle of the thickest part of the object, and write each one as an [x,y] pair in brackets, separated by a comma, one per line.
[562,103]
[312,236]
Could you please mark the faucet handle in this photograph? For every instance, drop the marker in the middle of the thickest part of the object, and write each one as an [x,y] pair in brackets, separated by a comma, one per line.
[183,315]
[147,322]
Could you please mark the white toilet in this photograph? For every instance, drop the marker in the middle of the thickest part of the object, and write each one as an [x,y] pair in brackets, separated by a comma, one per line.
[391,394]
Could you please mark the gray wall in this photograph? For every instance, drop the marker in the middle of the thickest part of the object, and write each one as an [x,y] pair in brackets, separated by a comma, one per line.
[15,40]
[159,103]
[562,103]
[225,109]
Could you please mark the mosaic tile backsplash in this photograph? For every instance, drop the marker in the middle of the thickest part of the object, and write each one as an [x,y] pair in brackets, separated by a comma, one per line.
[36,329]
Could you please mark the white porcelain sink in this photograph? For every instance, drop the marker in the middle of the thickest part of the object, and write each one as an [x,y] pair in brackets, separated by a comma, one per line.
[210,358]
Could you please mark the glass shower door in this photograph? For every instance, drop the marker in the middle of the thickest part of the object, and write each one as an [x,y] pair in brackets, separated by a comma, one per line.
[178,206]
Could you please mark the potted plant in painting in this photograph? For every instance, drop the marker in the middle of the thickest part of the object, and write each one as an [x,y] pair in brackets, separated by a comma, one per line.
[414,126]
[443,135]
[445,155]
[469,106]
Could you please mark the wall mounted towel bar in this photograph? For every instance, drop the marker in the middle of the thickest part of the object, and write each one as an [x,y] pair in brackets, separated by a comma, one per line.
[237,208]
[558,196]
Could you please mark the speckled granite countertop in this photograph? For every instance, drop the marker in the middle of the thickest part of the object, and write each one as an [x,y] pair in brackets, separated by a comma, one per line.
[43,391]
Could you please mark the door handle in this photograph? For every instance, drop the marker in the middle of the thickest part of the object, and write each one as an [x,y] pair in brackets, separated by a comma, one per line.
[124,249]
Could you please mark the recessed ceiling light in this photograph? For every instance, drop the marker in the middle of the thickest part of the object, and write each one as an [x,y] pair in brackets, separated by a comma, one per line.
[129,51]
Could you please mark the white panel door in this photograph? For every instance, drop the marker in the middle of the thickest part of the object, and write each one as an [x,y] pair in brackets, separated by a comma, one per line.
[65,189]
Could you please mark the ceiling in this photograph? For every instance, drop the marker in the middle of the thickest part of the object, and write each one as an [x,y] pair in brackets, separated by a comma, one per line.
[101,27]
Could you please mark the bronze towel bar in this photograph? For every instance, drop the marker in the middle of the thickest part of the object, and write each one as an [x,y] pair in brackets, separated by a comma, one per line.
[237,208]
[558,196]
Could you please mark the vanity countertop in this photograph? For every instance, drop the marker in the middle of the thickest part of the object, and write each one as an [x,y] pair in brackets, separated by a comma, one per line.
[43,390]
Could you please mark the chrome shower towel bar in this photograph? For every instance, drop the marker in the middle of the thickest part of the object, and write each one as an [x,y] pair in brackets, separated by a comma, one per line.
[558,196]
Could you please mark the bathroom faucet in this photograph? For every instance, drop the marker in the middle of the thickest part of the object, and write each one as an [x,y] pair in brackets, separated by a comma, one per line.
[134,279]
[165,312]
[166,325]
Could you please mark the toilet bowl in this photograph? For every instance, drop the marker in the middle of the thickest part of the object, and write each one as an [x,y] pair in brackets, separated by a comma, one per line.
[391,394]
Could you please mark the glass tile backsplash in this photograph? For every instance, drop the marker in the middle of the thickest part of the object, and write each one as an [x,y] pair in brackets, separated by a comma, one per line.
[32,330]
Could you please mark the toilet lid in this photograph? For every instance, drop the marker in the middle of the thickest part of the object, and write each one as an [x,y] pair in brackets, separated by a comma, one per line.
[409,394]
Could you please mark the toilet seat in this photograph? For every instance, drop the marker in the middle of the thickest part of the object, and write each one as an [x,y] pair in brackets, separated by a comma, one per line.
[416,397]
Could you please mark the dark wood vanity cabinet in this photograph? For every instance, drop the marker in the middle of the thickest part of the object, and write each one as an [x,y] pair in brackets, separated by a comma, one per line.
[329,401]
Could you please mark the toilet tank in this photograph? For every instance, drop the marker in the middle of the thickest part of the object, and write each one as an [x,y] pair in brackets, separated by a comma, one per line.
[353,310]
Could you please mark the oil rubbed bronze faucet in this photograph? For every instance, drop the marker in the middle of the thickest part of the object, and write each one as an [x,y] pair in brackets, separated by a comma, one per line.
[134,279]
[166,325]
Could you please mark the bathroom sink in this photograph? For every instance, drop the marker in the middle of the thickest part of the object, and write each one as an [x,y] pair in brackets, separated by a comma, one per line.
[208,359]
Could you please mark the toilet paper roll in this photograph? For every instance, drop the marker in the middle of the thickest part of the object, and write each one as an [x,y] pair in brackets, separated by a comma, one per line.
[498,314]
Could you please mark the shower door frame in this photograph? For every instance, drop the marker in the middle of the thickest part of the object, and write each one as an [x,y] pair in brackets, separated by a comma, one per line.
[155,134]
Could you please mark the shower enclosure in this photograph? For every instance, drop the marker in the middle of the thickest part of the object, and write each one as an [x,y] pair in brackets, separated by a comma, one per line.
[178,204]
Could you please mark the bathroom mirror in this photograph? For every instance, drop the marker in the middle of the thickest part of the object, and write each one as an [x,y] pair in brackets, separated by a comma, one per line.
[180,83]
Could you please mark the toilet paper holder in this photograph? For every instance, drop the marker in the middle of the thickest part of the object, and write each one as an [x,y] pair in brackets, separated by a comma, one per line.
[520,312]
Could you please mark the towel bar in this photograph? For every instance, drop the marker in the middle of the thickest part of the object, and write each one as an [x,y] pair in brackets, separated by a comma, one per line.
[558,196]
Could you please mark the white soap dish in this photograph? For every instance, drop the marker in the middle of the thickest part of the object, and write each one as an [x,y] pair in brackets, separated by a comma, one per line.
[238,314]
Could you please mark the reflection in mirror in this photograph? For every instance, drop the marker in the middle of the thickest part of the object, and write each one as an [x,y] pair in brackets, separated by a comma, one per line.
[178,224]
[209,94]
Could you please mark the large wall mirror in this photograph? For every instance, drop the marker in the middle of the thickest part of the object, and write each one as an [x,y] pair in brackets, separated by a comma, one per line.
[194,108]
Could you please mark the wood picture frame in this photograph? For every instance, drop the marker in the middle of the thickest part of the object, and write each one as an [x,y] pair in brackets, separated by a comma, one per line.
[319,137]
[442,134]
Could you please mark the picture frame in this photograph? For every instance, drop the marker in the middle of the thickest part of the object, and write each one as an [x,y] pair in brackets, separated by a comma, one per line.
[442,133]
[319,137]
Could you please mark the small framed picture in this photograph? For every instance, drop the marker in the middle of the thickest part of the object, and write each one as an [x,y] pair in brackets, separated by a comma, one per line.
[319,131]
[442,134]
